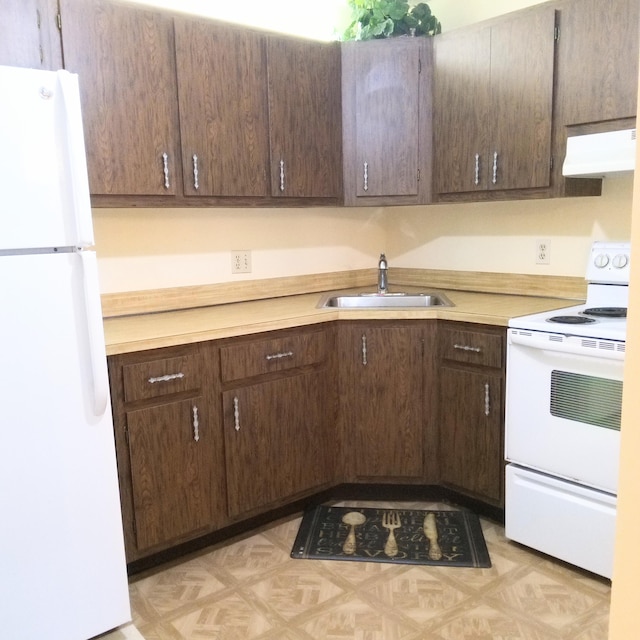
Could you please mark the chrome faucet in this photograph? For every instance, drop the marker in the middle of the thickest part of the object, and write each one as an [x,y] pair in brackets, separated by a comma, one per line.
[383,280]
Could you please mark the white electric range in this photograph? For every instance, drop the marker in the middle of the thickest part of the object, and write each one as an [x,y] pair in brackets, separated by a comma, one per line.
[563,412]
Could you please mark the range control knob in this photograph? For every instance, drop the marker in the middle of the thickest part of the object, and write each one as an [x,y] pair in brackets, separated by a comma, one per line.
[601,260]
[620,261]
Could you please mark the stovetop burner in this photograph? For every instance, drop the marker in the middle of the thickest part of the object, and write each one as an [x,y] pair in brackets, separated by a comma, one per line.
[607,312]
[571,319]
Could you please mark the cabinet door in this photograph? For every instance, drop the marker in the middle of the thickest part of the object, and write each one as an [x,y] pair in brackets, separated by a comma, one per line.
[462,94]
[29,35]
[522,66]
[381,400]
[126,63]
[387,109]
[471,425]
[223,109]
[170,452]
[276,440]
[598,60]
[304,118]
[493,101]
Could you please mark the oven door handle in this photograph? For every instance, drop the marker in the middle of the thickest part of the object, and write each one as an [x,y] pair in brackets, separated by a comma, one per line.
[593,347]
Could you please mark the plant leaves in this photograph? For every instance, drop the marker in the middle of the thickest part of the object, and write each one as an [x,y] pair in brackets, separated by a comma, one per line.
[385,18]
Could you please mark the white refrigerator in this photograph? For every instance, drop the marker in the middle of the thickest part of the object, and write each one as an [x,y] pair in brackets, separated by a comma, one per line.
[62,563]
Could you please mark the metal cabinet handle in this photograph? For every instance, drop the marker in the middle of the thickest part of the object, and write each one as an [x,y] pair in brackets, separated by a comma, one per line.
[364,349]
[165,169]
[365,177]
[196,184]
[476,175]
[281,175]
[166,378]
[196,424]
[277,356]
[466,347]
[487,399]
[494,179]
[236,414]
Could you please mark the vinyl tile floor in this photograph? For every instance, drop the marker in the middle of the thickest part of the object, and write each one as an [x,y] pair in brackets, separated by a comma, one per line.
[249,588]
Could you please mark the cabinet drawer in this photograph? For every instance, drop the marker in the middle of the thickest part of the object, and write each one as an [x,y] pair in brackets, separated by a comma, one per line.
[472,347]
[277,354]
[146,380]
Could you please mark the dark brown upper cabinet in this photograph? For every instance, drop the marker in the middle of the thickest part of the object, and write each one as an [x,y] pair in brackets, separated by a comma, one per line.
[304,118]
[493,97]
[598,60]
[387,121]
[29,34]
[224,125]
[597,76]
[125,59]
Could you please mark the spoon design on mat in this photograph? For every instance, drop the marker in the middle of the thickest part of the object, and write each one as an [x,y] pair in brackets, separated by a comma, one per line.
[353,519]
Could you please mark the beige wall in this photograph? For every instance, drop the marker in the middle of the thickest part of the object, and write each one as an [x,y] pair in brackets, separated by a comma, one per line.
[458,13]
[157,248]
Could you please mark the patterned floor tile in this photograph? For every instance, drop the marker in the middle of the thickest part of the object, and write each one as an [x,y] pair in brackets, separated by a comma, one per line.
[247,558]
[296,589]
[169,590]
[486,623]
[284,532]
[356,573]
[251,589]
[546,599]
[231,618]
[418,594]
[357,620]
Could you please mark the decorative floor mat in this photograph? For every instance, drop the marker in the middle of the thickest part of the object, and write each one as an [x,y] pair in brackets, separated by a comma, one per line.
[404,536]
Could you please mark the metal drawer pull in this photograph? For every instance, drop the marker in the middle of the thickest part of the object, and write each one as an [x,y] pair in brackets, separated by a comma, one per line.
[165,169]
[196,424]
[494,179]
[276,356]
[196,184]
[487,399]
[466,347]
[236,414]
[167,378]
[364,349]
[476,178]
[281,175]
[366,177]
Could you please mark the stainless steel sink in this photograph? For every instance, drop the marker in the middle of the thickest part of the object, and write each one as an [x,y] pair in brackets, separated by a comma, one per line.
[384,300]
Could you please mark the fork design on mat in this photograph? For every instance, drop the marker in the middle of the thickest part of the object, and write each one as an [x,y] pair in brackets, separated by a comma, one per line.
[391,521]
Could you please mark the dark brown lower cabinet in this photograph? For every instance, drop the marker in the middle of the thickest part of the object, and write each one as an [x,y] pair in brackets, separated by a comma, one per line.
[276,445]
[381,399]
[169,459]
[279,417]
[169,446]
[471,411]
[210,434]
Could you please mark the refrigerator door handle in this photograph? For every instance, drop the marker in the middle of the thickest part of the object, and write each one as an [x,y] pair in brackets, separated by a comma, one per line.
[76,157]
[97,352]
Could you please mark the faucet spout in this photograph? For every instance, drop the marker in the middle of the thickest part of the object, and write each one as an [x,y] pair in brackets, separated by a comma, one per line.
[383,281]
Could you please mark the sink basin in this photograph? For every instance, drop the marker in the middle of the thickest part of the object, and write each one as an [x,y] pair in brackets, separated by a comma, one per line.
[384,300]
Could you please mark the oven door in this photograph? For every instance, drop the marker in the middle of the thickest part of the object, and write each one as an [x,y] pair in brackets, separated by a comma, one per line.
[563,406]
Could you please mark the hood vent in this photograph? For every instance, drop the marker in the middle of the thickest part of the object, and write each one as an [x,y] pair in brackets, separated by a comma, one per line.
[597,155]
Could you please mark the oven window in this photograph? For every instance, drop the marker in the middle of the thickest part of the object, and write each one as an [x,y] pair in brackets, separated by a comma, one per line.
[596,401]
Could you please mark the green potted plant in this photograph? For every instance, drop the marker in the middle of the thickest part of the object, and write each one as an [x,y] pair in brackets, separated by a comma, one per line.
[371,19]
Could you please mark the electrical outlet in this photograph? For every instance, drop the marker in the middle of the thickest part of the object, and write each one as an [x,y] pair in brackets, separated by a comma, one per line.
[241,261]
[543,252]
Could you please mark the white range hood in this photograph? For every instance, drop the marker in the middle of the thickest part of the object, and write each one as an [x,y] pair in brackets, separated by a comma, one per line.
[597,155]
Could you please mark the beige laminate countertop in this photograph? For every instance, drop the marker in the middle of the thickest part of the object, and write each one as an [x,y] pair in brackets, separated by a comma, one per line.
[170,328]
